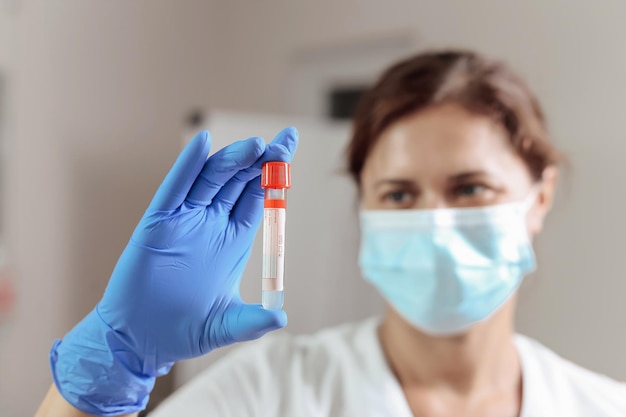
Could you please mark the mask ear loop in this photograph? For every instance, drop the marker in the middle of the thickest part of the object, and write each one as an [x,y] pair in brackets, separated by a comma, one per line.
[532,196]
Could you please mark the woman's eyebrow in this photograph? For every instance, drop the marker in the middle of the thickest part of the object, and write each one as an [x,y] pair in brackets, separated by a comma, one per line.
[395,182]
[462,176]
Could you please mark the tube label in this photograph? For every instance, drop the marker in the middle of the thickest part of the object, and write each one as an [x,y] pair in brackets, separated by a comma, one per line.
[273,249]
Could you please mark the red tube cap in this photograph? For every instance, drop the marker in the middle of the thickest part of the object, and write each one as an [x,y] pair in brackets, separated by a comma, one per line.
[276,175]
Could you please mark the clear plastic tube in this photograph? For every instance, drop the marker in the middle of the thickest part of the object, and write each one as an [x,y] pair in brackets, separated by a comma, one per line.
[275,179]
[273,250]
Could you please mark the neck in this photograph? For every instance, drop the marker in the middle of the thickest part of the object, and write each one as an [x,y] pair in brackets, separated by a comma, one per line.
[482,358]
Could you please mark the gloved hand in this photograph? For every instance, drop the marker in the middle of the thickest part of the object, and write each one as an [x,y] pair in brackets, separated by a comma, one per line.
[174,293]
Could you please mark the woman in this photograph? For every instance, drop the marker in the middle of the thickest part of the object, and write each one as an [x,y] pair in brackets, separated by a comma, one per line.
[456,176]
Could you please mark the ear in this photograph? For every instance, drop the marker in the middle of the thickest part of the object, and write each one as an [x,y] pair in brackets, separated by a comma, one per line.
[543,203]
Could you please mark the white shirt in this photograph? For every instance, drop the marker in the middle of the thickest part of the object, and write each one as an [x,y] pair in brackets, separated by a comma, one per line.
[342,372]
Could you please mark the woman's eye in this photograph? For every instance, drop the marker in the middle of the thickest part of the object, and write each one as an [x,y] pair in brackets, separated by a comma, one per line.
[398,197]
[469,189]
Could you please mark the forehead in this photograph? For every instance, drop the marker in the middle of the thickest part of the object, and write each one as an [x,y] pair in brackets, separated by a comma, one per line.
[441,141]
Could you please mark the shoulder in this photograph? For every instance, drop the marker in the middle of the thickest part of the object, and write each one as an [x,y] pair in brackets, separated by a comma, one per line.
[311,358]
[553,382]
[263,373]
[329,342]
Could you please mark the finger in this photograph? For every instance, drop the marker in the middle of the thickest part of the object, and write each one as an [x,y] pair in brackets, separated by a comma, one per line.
[248,208]
[251,321]
[288,138]
[222,166]
[230,193]
[174,188]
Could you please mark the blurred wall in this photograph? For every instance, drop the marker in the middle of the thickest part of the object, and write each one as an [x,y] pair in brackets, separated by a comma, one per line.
[102,88]
[7,38]
[572,54]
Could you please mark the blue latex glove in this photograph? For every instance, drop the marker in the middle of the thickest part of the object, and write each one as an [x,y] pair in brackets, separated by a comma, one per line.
[174,293]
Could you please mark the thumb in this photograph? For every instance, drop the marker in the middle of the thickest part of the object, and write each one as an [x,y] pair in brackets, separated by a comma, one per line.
[251,321]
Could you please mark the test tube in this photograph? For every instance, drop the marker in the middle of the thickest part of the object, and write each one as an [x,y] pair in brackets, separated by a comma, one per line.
[275,180]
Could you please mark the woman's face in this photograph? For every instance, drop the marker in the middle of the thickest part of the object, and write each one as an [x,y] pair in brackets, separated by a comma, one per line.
[444,157]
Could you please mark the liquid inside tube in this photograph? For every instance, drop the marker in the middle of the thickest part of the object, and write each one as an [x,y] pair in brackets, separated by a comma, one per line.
[272,300]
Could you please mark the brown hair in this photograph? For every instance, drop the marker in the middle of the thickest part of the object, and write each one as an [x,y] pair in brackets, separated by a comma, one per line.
[471,80]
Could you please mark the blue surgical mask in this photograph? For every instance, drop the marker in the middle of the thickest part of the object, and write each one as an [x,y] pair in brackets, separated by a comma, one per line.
[445,270]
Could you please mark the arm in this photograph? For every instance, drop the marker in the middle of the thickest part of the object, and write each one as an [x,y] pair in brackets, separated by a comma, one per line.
[54,405]
[174,293]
